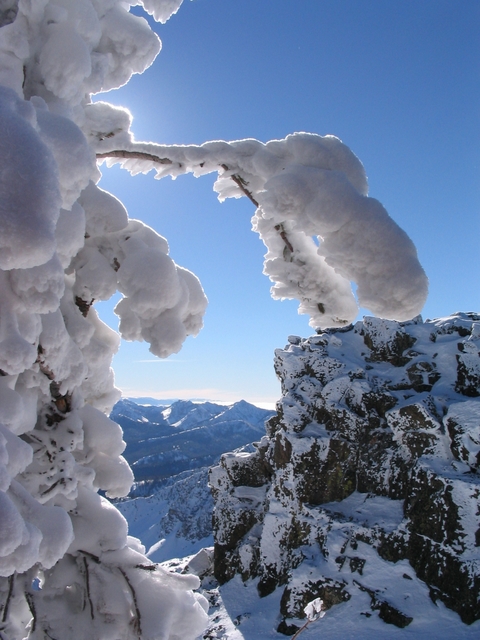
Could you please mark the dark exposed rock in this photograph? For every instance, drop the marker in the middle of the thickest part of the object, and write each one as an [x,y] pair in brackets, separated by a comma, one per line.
[287,629]
[372,458]
[295,599]
[386,612]
[387,350]
[393,546]
[338,480]
[267,585]
[432,510]
[282,451]
[249,471]
[355,564]
[391,615]
[463,424]
[468,370]
[422,376]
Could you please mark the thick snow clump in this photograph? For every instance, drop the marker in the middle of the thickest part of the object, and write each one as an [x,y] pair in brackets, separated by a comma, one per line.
[321,229]
[68,568]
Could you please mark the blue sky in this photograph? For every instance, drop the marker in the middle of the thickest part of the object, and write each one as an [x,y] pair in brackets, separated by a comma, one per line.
[397,81]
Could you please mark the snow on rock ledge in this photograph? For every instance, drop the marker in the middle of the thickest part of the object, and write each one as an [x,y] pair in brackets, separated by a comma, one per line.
[367,476]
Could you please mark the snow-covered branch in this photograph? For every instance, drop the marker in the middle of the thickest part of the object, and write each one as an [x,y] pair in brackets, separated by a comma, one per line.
[67,564]
[305,185]
[138,155]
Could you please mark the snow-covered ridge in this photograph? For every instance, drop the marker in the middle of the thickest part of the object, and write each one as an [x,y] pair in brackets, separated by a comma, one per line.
[365,491]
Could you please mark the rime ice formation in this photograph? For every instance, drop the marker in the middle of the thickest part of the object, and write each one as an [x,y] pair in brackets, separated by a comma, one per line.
[305,185]
[366,488]
[68,569]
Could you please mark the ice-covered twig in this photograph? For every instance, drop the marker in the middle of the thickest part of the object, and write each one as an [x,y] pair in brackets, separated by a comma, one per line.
[242,185]
[138,616]
[297,633]
[139,155]
[87,586]
[83,305]
[281,230]
[146,567]
[41,364]
[314,612]
[11,580]
[31,605]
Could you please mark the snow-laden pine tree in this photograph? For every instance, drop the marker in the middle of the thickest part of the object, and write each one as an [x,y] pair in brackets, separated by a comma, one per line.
[68,569]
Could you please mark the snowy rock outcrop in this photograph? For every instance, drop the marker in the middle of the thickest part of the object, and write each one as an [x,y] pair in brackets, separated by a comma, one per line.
[366,487]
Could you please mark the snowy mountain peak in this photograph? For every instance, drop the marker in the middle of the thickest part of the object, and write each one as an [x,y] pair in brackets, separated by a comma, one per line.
[185,414]
[243,410]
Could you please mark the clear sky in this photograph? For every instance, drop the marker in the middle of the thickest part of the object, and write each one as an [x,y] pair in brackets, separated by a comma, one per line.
[397,81]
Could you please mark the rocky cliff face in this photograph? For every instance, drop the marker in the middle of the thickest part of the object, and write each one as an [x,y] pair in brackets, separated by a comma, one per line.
[366,487]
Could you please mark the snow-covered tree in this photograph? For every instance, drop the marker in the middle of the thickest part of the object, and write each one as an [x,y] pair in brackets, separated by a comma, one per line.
[68,568]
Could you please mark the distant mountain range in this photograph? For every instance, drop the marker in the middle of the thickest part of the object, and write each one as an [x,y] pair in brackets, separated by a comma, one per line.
[170,449]
[163,441]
